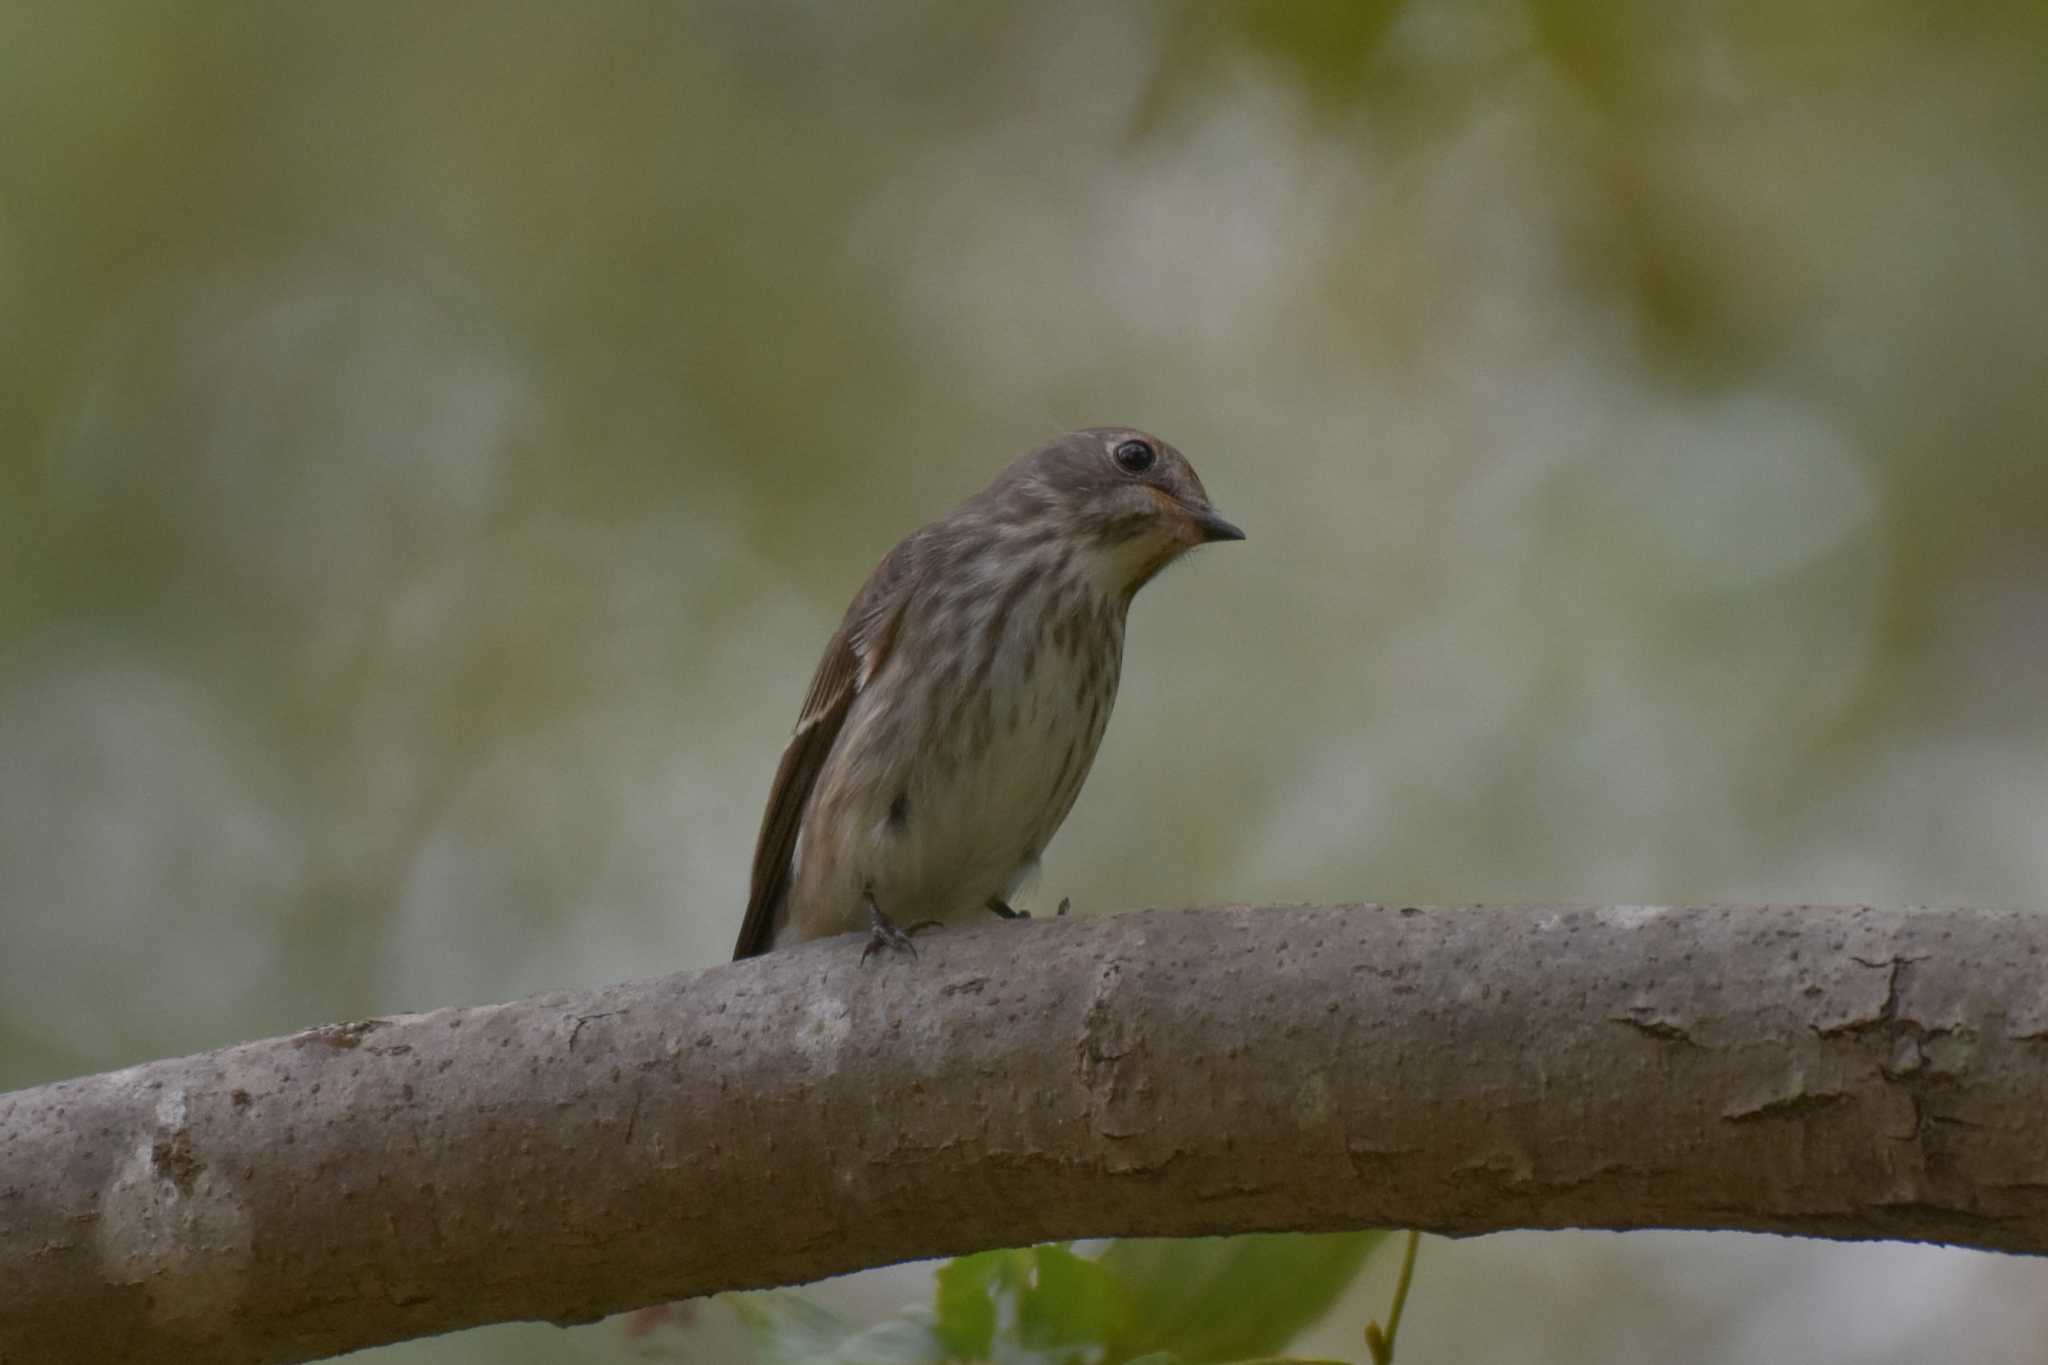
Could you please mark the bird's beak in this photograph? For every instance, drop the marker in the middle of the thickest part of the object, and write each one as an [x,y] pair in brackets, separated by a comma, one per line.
[1194,524]
[1212,527]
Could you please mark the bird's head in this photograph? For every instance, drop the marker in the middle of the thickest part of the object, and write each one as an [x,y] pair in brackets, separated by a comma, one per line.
[1128,502]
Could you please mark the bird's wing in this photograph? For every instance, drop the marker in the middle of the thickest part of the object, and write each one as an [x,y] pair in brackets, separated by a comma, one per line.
[857,650]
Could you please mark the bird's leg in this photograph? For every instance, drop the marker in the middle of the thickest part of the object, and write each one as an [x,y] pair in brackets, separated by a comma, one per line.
[883,933]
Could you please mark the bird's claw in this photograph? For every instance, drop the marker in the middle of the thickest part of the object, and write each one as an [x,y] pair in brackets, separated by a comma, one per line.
[1008,911]
[883,933]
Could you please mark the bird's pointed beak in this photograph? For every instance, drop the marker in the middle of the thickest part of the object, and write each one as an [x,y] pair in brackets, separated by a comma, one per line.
[1211,526]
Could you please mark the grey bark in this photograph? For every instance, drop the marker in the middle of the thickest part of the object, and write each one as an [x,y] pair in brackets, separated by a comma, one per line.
[1844,1073]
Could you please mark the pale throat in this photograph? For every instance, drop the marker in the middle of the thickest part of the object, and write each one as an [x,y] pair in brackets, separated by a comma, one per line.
[1119,570]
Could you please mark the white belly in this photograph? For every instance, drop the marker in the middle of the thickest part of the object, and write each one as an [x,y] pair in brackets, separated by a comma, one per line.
[987,820]
[938,817]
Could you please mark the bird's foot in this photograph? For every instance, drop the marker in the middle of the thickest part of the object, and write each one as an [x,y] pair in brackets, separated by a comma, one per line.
[883,933]
[1008,911]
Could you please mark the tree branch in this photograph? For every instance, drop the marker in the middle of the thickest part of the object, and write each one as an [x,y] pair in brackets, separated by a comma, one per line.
[1825,1072]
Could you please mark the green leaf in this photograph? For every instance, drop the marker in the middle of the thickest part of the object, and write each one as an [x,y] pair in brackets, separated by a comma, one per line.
[1074,1307]
[966,1293]
[1037,1306]
[1211,1300]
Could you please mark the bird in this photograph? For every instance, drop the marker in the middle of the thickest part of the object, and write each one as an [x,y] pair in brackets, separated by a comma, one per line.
[958,707]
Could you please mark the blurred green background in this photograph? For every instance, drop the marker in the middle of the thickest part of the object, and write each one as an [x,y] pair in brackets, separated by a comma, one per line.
[436,439]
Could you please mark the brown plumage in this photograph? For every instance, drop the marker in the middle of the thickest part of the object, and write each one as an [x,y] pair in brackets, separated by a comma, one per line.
[958,707]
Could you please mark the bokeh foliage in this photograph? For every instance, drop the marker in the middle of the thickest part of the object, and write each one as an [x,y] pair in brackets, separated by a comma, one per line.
[435,438]
[1187,1301]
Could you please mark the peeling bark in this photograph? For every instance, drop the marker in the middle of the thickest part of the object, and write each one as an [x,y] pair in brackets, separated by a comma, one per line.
[1843,1073]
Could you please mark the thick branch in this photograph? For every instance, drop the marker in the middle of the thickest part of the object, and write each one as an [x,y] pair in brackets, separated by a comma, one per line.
[1836,1073]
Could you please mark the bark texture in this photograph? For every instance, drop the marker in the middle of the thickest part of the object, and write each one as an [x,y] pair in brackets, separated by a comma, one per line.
[1824,1072]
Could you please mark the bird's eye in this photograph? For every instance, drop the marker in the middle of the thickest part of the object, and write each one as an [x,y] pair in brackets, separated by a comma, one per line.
[1134,457]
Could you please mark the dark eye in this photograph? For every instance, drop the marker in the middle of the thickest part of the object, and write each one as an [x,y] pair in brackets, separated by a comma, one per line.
[1135,457]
